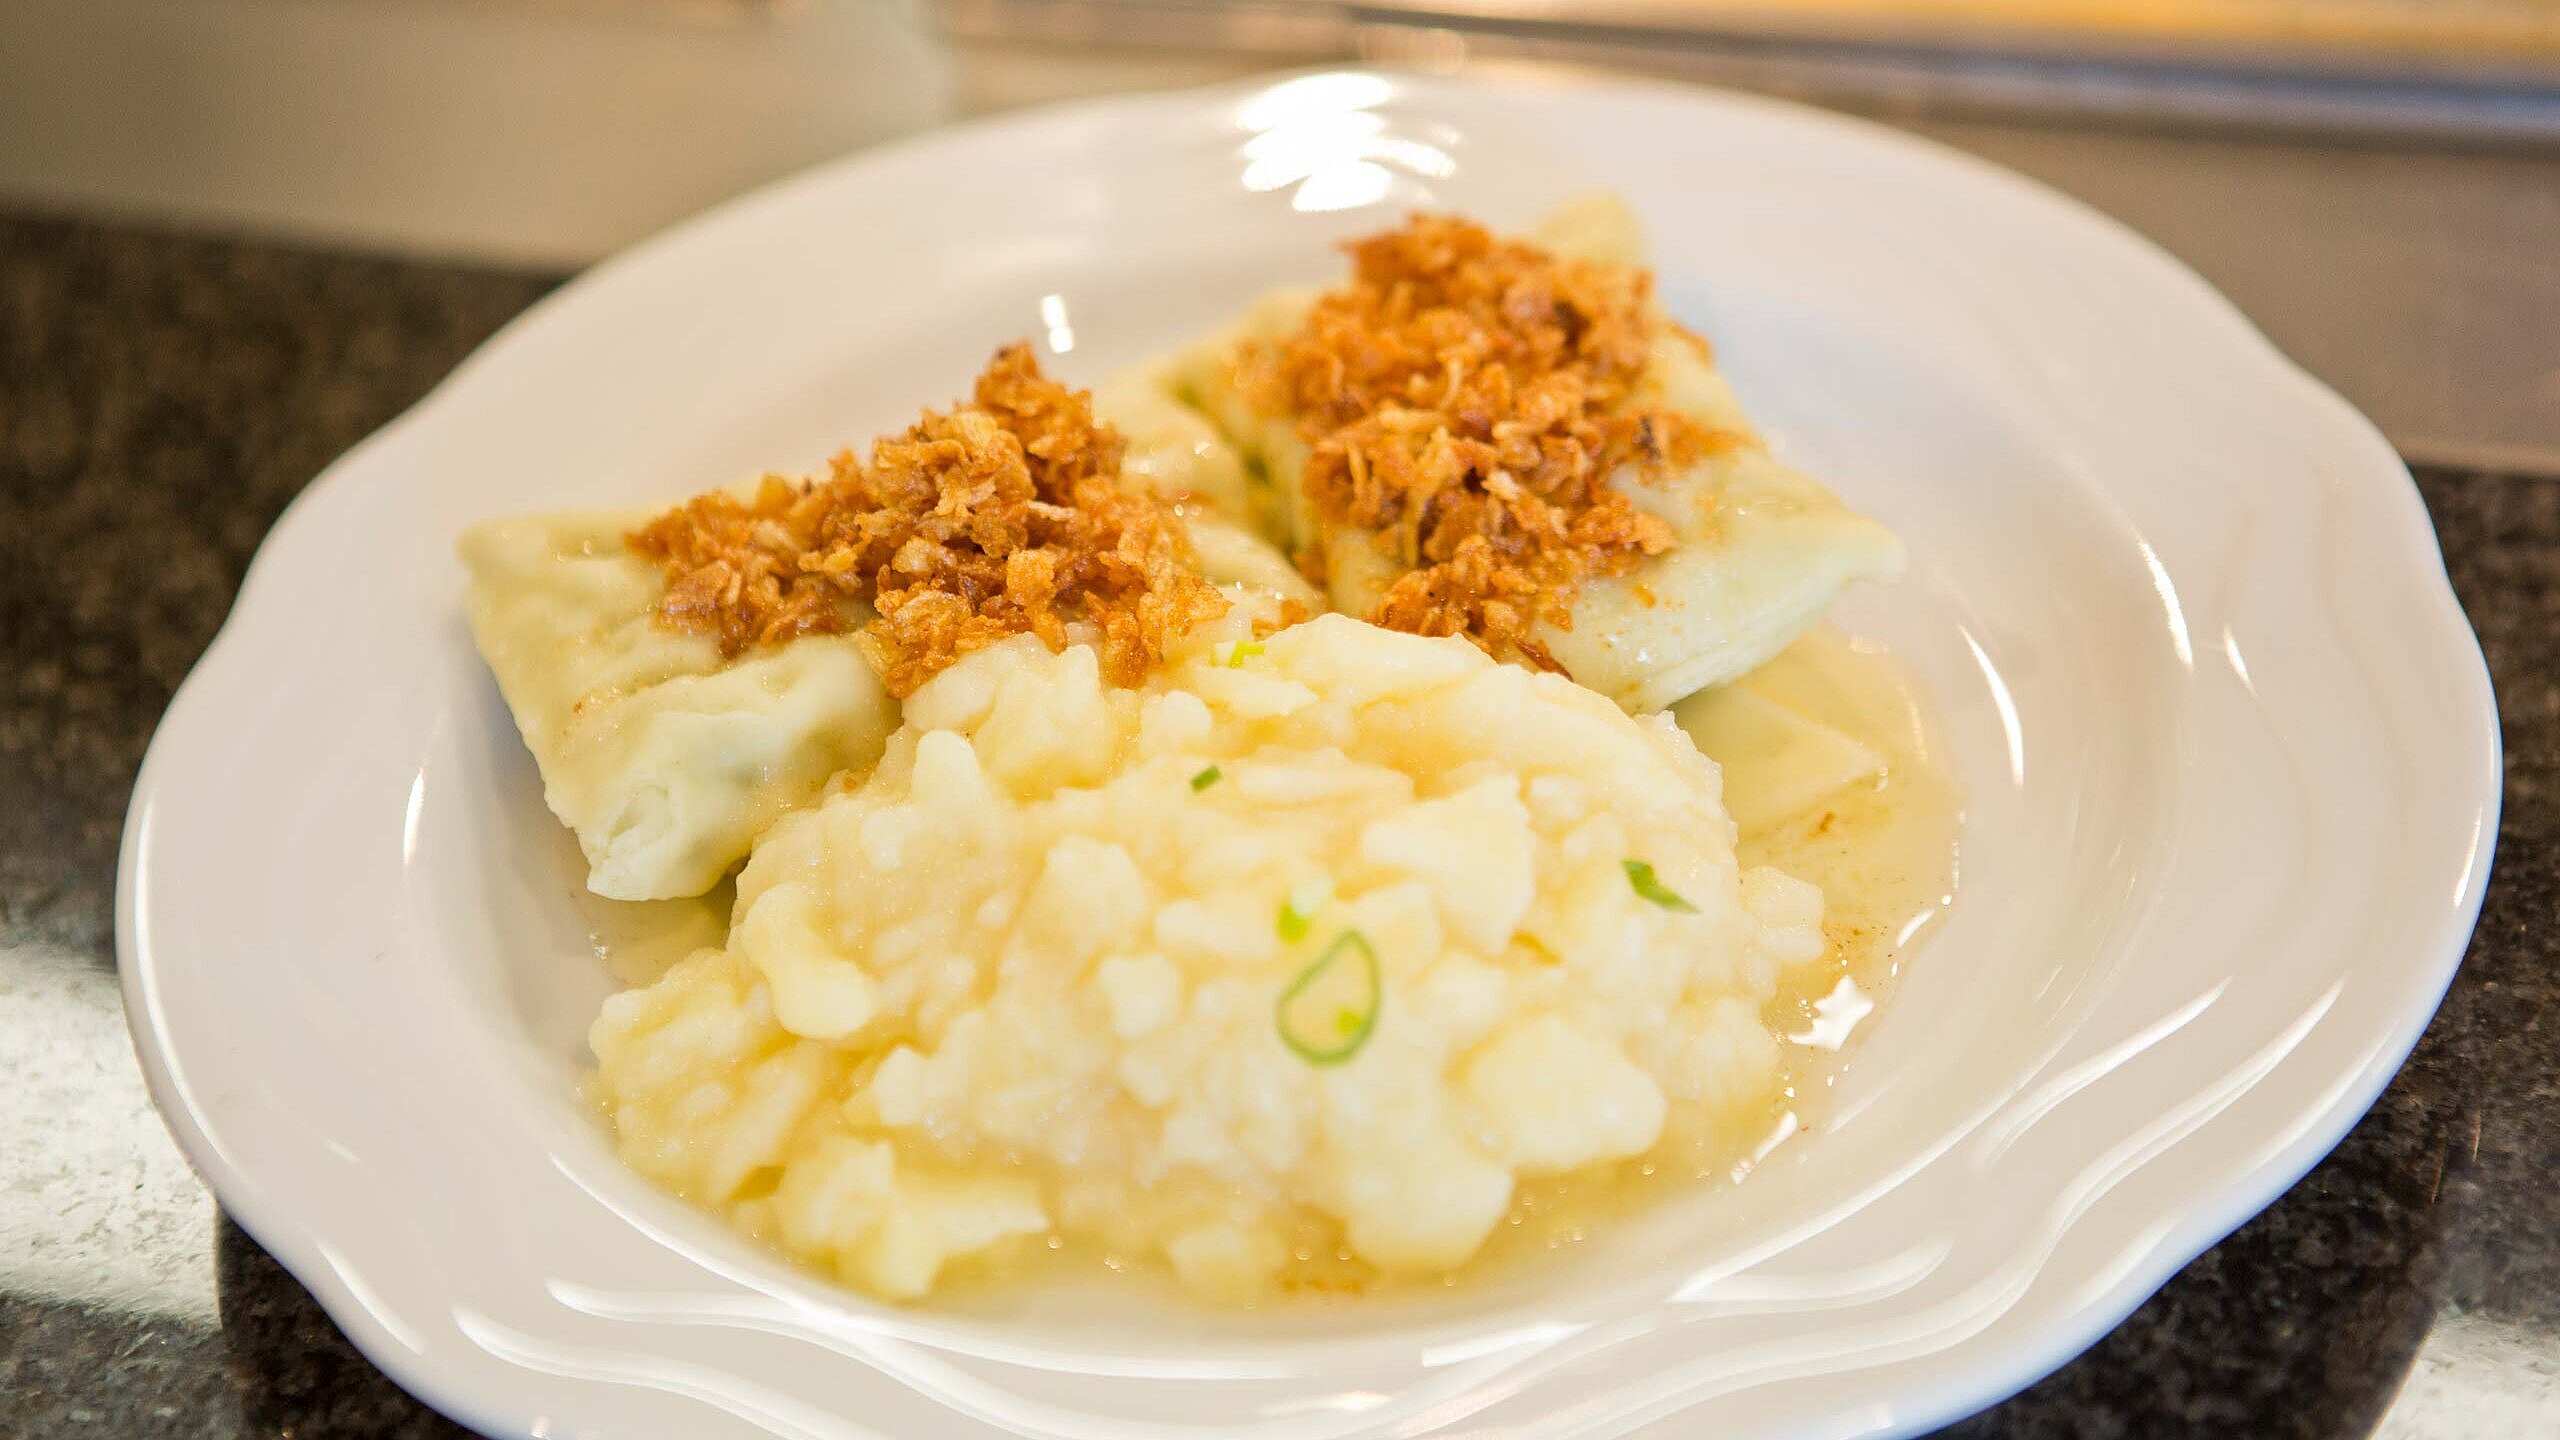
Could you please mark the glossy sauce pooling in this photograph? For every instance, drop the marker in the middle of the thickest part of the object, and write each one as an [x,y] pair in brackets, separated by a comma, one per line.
[1883,851]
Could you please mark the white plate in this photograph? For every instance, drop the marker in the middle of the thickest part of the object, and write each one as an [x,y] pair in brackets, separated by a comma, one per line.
[2230,749]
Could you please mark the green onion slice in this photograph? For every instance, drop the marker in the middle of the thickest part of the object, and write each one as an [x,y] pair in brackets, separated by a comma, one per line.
[1298,912]
[1640,875]
[1207,777]
[1242,651]
[1328,1013]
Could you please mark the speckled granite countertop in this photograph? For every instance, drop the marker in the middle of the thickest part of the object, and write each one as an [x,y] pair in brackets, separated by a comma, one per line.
[161,399]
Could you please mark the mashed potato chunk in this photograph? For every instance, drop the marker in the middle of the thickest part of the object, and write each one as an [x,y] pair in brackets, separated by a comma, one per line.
[1315,945]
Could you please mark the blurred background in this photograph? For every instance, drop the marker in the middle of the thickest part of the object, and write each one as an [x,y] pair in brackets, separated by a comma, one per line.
[2345,169]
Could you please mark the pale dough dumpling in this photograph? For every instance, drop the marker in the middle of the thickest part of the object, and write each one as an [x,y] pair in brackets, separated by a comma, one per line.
[1179,455]
[1172,450]
[1270,451]
[1778,762]
[1761,552]
[665,760]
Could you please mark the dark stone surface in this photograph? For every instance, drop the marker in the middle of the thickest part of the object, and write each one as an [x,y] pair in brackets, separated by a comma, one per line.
[161,398]
[160,401]
[2304,1321]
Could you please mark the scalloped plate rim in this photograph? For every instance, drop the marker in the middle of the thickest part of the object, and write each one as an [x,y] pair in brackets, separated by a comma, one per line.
[268,1216]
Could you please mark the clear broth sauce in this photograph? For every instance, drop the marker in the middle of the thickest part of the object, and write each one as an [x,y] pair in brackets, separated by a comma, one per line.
[1883,850]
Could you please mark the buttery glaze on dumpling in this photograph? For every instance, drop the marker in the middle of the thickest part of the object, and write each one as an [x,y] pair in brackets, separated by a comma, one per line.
[1177,454]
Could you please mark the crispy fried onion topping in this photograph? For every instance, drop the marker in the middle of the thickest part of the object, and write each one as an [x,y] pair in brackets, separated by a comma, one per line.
[1001,517]
[1466,401]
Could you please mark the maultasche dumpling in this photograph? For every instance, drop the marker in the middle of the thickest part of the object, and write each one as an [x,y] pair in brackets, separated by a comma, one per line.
[1755,551]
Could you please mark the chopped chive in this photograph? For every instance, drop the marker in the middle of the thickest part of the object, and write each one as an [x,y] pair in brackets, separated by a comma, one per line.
[1640,875]
[1242,651]
[1207,777]
[1328,1013]
[1298,912]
